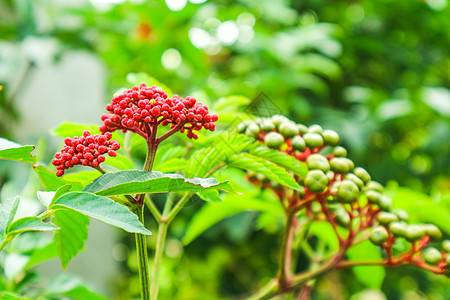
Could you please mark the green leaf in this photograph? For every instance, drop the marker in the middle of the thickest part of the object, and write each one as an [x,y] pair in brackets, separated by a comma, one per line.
[7,213]
[225,103]
[166,153]
[69,129]
[51,182]
[324,232]
[83,177]
[42,254]
[13,151]
[46,198]
[209,195]
[70,239]
[171,165]
[103,209]
[259,165]
[371,276]
[11,296]
[70,287]
[28,224]
[120,162]
[211,213]
[204,160]
[281,159]
[139,182]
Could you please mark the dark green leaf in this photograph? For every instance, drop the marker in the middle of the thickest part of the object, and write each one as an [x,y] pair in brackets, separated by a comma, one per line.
[138,182]
[13,151]
[70,239]
[103,209]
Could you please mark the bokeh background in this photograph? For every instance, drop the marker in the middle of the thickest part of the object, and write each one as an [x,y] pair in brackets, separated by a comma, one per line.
[376,71]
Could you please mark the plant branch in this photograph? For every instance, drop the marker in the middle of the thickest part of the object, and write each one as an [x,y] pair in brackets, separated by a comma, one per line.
[141,246]
[178,207]
[170,132]
[160,243]
[286,249]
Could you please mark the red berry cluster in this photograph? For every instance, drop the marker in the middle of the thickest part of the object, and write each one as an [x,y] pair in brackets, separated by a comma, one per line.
[87,150]
[142,108]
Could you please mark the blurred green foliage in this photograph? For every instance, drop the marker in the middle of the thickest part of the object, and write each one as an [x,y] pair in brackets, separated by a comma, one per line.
[378,72]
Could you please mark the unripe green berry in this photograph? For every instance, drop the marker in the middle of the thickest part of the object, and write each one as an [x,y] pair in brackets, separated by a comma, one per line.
[340,151]
[375,186]
[385,203]
[330,175]
[288,129]
[414,233]
[350,163]
[313,140]
[243,126]
[330,137]
[355,179]
[433,232]
[252,130]
[273,140]
[316,207]
[339,165]
[402,215]
[373,196]
[318,162]
[302,128]
[267,125]
[398,229]
[347,192]
[385,218]
[446,246]
[379,235]
[432,255]
[315,128]
[316,181]
[278,119]
[298,143]
[362,174]
[342,217]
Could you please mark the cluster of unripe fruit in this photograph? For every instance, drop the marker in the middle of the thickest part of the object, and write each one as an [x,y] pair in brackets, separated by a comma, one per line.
[344,192]
[329,168]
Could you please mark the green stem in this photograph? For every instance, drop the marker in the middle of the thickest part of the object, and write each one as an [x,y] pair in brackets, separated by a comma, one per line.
[153,209]
[160,243]
[4,243]
[141,246]
[181,203]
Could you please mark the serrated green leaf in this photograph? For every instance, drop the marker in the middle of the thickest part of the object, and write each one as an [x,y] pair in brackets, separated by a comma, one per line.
[70,239]
[51,182]
[139,182]
[7,213]
[282,159]
[13,151]
[28,224]
[211,213]
[103,209]
[207,158]
[259,165]
[367,251]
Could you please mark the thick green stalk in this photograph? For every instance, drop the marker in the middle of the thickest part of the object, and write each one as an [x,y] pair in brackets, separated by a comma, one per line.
[160,244]
[141,246]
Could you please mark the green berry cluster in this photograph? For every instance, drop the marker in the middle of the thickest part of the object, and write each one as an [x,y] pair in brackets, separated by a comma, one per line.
[341,193]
